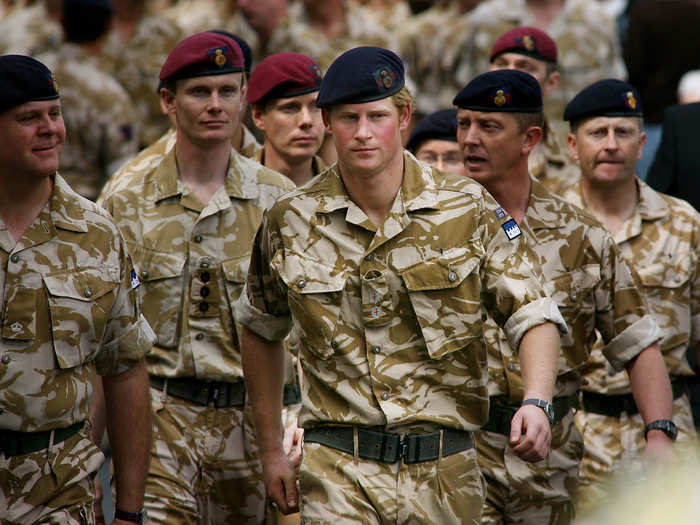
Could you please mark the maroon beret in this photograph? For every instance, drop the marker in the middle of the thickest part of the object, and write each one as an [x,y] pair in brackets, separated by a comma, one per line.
[201,55]
[283,75]
[528,41]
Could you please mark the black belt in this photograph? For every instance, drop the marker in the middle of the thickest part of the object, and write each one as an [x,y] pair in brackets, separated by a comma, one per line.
[614,405]
[500,415]
[389,447]
[220,393]
[14,443]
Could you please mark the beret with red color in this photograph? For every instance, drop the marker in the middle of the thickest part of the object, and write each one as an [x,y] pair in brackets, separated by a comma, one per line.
[283,75]
[201,55]
[528,41]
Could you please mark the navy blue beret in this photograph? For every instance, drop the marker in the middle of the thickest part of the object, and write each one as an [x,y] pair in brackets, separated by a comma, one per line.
[245,48]
[440,125]
[24,79]
[504,90]
[362,74]
[605,98]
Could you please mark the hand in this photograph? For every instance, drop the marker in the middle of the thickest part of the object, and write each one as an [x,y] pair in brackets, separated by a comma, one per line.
[659,448]
[291,444]
[530,433]
[97,504]
[280,478]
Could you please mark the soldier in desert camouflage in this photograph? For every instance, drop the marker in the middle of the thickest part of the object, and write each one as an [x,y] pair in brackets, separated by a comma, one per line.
[382,268]
[68,312]
[499,123]
[190,221]
[659,237]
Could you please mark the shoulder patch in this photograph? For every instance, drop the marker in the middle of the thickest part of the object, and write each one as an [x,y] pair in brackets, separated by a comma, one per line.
[512,229]
[500,212]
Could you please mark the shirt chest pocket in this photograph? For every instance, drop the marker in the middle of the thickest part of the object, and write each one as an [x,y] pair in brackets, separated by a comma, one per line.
[161,293]
[315,295]
[79,303]
[445,293]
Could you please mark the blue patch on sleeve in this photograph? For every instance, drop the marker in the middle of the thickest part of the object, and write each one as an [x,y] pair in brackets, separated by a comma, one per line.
[512,229]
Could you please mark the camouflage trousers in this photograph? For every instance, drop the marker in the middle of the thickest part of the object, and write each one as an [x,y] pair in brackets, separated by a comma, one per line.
[204,465]
[613,446]
[337,487]
[51,486]
[539,493]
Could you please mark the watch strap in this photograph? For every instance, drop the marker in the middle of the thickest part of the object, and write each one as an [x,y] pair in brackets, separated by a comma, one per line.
[133,517]
[544,405]
[667,426]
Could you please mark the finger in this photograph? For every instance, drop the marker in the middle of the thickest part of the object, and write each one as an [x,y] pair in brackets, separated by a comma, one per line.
[291,495]
[516,428]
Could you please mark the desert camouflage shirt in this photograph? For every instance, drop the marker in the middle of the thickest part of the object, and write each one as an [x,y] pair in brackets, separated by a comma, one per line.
[587,42]
[29,31]
[99,116]
[192,260]
[661,242]
[390,319]
[317,164]
[592,285]
[136,62]
[151,156]
[68,311]
[550,162]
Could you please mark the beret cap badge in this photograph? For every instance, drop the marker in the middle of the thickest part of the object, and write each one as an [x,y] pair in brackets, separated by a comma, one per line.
[500,98]
[54,84]
[630,100]
[528,42]
[219,58]
[385,77]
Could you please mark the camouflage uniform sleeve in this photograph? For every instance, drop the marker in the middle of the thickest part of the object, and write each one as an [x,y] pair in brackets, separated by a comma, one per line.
[695,287]
[512,284]
[128,336]
[622,315]
[263,307]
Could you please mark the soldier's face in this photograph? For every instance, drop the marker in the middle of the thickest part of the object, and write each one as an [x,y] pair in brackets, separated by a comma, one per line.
[607,148]
[548,81]
[206,109]
[443,154]
[293,127]
[491,143]
[33,138]
[367,136]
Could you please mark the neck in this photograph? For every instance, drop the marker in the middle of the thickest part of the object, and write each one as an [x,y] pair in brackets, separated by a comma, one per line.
[299,173]
[611,204]
[237,140]
[374,193]
[126,17]
[327,17]
[544,11]
[21,201]
[202,169]
[92,48]
[512,193]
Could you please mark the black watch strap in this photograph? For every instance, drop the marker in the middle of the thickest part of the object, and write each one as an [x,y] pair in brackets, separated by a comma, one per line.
[134,517]
[544,405]
[667,426]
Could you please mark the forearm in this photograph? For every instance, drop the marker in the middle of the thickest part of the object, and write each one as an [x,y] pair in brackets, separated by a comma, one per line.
[128,414]
[263,369]
[539,352]
[651,386]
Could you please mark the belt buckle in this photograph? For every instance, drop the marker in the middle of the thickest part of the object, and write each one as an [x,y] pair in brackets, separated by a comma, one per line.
[403,449]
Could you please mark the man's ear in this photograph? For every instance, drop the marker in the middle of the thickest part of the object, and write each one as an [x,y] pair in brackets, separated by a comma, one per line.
[167,101]
[533,135]
[571,142]
[326,115]
[551,83]
[256,112]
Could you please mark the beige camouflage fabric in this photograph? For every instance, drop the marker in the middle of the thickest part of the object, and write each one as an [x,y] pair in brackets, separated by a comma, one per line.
[335,489]
[430,46]
[296,34]
[550,162]
[29,31]
[587,40]
[660,241]
[100,119]
[68,312]
[392,14]
[586,275]
[136,62]
[182,247]
[384,318]
[204,465]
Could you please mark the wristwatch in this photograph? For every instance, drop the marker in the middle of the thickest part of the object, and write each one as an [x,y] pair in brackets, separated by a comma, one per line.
[134,517]
[547,407]
[667,426]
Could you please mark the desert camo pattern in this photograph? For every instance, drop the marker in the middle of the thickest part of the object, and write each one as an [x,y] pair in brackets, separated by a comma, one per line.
[192,260]
[100,119]
[204,465]
[69,311]
[296,34]
[136,62]
[522,492]
[660,241]
[594,289]
[335,488]
[29,31]
[550,162]
[587,42]
[430,47]
[54,486]
[389,319]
